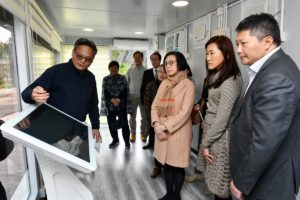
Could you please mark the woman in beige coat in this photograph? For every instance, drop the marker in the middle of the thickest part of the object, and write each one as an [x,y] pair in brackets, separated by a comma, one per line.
[172,124]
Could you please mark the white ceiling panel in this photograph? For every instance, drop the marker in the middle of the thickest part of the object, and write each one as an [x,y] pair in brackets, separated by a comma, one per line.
[121,18]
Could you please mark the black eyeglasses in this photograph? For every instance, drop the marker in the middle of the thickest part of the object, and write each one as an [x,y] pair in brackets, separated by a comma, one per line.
[80,58]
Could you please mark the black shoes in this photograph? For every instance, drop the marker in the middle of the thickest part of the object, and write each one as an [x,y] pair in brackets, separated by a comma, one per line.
[173,196]
[148,146]
[113,145]
[166,197]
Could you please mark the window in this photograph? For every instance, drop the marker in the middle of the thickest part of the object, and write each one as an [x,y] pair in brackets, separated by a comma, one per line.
[13,169]
[43,56]
[125,59]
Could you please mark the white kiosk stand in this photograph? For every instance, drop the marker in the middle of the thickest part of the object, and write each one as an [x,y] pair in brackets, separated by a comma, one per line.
[38,127]
[60,181]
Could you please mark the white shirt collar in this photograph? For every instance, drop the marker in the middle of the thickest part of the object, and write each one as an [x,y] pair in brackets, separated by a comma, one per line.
[154,70]
[255,67]
[258,64]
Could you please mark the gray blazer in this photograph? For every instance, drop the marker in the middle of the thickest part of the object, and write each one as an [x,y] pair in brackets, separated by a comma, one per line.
[265,144]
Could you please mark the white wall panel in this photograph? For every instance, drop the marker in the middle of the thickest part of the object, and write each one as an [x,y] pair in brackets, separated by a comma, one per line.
[41,25]
[16,7]
[292,29]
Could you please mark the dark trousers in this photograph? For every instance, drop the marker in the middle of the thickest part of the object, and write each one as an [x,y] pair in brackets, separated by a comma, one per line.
[157,164]
[2,192]
[114,124]
[151,136]
[174,177]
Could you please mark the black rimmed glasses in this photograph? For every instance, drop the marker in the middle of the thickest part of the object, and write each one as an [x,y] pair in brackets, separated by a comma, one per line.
[81,58]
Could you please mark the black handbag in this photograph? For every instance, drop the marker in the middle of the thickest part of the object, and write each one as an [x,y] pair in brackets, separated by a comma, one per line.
[6,145]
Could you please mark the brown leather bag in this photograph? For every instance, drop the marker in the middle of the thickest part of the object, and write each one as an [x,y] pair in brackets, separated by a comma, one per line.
[195,116]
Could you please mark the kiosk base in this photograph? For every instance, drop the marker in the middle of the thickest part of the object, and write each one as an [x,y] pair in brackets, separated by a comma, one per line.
[60,181]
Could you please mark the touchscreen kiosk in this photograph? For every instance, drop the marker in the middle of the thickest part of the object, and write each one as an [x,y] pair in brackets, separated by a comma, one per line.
[54,134]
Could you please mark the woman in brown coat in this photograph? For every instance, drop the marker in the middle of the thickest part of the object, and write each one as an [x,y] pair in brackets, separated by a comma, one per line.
[172,124]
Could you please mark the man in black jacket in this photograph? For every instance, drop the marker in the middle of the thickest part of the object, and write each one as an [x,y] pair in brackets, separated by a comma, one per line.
[148,76]
[150,94]
[70,87]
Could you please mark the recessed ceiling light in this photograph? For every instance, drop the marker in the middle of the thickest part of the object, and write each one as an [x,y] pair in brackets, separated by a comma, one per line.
[180,3]
[88,29]
[139,33]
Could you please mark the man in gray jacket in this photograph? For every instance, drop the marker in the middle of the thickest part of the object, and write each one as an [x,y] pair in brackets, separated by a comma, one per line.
[134,78]
[265,132]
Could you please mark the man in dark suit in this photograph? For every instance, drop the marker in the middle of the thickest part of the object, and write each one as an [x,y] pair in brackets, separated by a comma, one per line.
[148,76]
[265,132]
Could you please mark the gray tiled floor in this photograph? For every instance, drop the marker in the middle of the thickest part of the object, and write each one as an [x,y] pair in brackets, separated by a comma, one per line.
[121,175]
[124,174]
[12,170]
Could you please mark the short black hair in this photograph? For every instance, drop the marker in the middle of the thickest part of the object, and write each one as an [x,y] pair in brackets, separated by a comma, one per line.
[157,54]
[141,53]
[87,42]
[113,63]
[261,25]
[181,62]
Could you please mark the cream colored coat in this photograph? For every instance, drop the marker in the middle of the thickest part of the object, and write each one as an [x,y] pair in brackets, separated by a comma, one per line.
[176,150]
